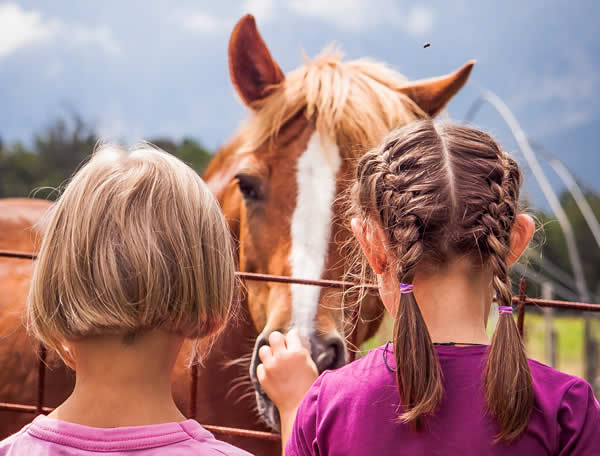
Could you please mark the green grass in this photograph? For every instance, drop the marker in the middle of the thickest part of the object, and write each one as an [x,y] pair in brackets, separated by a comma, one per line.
[569,344]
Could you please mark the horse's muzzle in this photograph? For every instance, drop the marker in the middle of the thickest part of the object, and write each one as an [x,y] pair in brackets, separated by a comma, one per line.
[328,352]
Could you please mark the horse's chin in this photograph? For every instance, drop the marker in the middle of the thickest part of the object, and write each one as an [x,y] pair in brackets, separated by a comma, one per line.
[267,411]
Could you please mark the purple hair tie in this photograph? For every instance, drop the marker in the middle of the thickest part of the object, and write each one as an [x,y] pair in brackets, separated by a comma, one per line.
[505,310]
[406,288]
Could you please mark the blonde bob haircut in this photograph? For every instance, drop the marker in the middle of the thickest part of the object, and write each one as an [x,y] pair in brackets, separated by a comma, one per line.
[136,242]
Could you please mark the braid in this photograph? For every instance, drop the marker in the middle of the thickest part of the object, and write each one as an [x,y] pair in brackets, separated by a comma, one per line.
[400,199]
[507,377]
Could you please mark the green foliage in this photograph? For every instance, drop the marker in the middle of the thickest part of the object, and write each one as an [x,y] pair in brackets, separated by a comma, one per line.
[188,150]
[58,151]
[554,248]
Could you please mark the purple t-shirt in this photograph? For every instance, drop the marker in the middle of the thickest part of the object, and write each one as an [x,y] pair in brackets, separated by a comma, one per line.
[47,436]
[352,411]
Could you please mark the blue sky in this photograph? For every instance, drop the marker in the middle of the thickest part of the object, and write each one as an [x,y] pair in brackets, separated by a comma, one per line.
[142,69]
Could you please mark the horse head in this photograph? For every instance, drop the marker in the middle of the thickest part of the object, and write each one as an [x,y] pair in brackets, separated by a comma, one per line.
[279,181]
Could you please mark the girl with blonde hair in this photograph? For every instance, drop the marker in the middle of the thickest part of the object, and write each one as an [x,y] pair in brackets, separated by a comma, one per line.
[435,210]
[136,258]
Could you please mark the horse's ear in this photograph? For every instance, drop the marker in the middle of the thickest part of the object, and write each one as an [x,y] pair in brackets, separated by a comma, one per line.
[432,95]
[251,67]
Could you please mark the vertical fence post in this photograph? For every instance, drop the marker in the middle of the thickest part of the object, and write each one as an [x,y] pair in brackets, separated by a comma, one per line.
[193,390]
[39,406]
[549,331]
[521,305]
[354,334]
[591,351]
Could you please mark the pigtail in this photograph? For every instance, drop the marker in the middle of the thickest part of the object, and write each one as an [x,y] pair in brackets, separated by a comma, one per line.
[417,367]
[507,377]
[418,373]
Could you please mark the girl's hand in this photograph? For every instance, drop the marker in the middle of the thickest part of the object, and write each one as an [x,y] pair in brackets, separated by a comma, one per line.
[287,370]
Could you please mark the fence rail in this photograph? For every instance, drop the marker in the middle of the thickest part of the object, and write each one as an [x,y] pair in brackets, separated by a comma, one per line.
[521,301]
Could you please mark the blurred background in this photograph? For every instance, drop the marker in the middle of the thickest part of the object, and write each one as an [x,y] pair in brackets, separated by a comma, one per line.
[73,72]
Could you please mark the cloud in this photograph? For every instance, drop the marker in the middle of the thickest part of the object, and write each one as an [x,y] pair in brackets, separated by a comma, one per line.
[566,91]
[420,20]
[114,125]
[199,22]
[357,14]
[202,21]
[20,29]
[345,14]
[263,10]
[100,36]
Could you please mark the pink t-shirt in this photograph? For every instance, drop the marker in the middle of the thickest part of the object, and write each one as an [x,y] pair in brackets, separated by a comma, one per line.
[47,436]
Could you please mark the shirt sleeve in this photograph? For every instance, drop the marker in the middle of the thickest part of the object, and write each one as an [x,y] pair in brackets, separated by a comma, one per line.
[303,439]
[579,422]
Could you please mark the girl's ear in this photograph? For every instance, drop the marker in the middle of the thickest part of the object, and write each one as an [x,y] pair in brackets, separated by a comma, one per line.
[371,244]
[67,354]
[520,237]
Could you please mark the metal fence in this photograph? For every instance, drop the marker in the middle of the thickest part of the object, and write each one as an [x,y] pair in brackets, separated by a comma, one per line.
[521,301]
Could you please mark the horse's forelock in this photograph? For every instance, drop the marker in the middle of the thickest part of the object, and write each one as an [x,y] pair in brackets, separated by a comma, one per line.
[355,102]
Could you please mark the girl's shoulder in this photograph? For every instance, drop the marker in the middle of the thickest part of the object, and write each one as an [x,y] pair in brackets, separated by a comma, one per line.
[569,403]
[561,391]
[552,383]
[51,436]
[8,444]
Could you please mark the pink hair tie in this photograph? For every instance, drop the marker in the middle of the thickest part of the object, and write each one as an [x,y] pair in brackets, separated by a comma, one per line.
[505,310]
[406,288]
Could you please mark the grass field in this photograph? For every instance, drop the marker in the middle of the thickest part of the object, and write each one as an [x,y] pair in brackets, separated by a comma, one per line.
[569,340]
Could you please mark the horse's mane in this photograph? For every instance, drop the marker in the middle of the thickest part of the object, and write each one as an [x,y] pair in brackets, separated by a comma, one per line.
[358,100]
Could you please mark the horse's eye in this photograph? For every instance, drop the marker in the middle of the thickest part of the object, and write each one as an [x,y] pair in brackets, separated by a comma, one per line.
[250,186]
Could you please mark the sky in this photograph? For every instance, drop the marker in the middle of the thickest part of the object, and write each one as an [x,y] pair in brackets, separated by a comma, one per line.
[146,69]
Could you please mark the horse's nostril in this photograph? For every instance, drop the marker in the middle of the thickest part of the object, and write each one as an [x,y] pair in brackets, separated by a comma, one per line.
[329,353]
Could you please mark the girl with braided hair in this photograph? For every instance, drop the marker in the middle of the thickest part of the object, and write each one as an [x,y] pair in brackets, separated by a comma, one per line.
[435,210]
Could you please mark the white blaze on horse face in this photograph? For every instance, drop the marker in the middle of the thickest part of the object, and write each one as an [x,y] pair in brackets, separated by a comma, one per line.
[317,170]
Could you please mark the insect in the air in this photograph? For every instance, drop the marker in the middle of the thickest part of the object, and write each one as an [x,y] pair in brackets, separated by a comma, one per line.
[427,44]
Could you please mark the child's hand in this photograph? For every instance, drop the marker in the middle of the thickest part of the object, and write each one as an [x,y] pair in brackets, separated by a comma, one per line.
[287,370]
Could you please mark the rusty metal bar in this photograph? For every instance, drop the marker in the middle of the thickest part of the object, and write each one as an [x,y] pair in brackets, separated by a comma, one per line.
[8,407]
[41,378]
[238,432]
[14,254]
[353,335]
[193,391]
[561,304]
[285,279]
[521,305]
[344,285]
[222,430]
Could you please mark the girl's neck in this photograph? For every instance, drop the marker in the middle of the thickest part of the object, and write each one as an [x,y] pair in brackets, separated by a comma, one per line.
[119,384]
[455,302]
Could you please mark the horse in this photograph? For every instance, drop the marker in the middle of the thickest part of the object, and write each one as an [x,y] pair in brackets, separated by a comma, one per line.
[21,229]
[279,182]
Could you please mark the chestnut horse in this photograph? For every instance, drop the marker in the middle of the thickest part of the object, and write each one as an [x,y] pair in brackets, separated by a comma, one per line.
[279,182]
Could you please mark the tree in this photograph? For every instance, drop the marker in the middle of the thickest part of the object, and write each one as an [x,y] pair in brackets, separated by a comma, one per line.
[59,150]
[555,248]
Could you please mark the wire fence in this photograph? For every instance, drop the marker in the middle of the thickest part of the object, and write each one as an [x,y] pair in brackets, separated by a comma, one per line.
[521,302]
